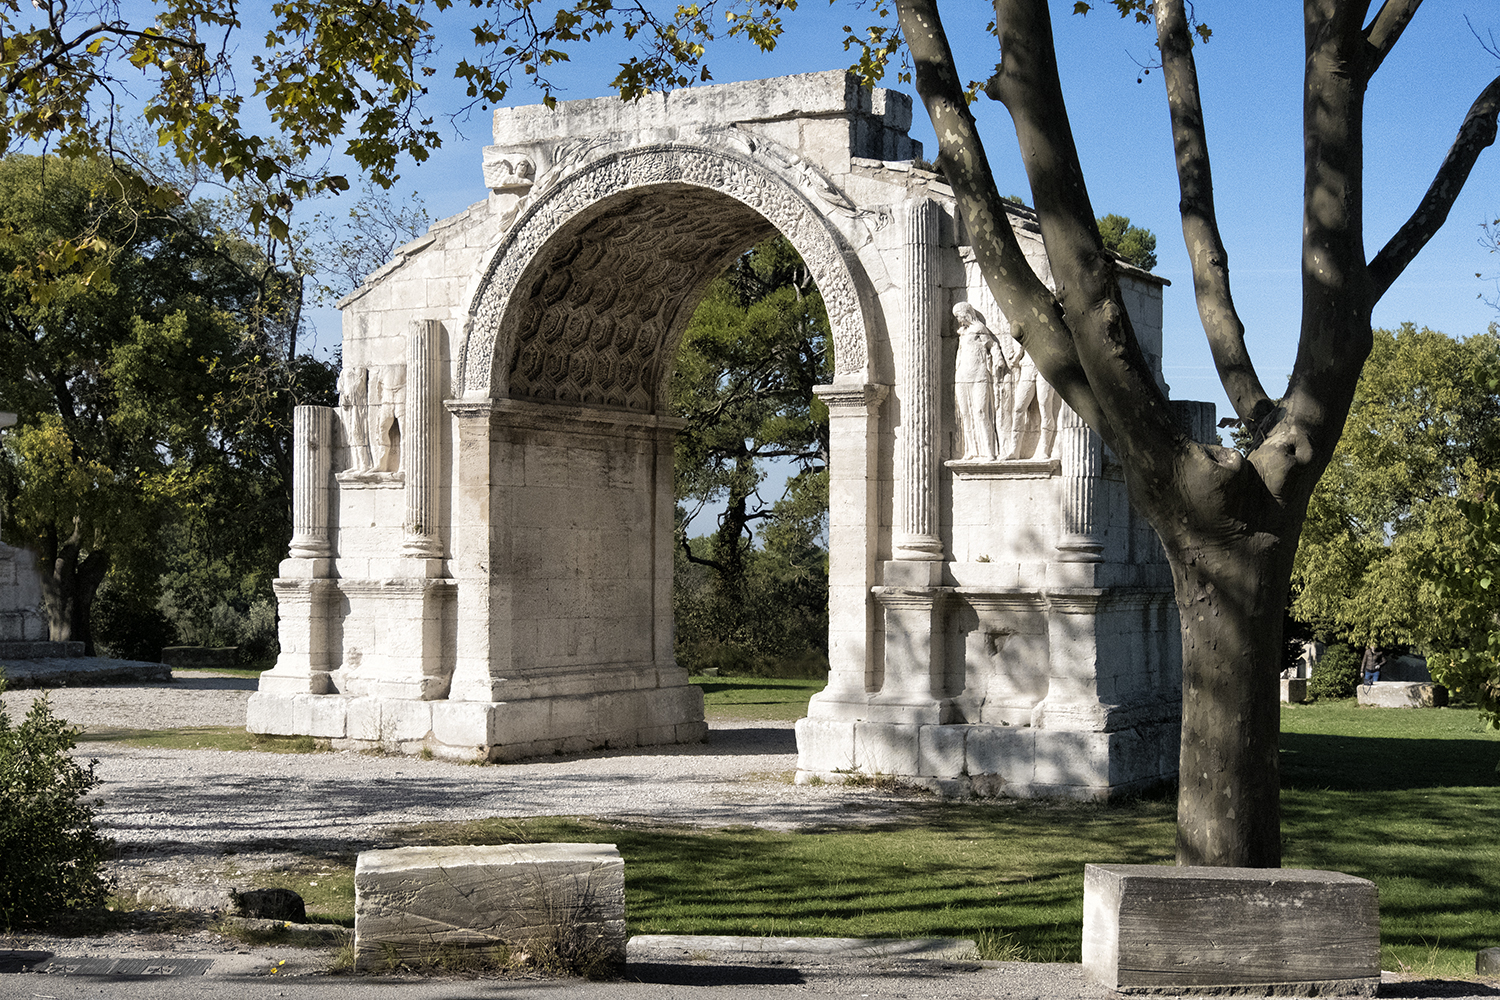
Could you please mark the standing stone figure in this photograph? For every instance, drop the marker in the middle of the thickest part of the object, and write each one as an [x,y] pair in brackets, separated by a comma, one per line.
[979,363]
[387,398]
[354,415]
[1029,387]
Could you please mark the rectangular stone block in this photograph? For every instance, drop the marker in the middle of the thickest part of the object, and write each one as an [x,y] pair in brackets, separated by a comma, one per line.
[1008,752]
[940,750]
[886,748]
[1294,690]
[1402,694]
[414,903]
[825,746]
[1257,931]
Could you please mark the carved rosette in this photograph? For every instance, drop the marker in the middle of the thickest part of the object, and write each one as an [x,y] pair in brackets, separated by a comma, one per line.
[1082,465]
[312,465]
[419,440]
[497,324]
[918,538]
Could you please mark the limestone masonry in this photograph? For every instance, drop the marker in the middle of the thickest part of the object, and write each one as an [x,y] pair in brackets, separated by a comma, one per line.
[482,558]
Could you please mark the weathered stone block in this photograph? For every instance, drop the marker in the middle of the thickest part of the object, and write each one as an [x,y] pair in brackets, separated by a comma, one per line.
[824,747]
[886,748]
[412,903]
[1402,694]
[1282,932]
[1487,962]
[941,750]
[1294,690]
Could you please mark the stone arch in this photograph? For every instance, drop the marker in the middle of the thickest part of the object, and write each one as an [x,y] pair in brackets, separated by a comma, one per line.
[587,294]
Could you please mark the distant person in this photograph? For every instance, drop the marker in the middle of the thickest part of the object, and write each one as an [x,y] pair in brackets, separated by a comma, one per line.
[1374,660]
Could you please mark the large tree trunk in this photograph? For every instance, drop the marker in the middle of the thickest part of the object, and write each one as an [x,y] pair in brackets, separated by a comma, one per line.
[69,582]
[1228,803]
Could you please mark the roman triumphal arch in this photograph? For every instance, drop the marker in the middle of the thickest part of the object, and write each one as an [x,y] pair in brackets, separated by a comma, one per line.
[482,554]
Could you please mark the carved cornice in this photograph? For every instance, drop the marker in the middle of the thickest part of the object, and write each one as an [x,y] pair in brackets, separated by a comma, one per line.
[861,396]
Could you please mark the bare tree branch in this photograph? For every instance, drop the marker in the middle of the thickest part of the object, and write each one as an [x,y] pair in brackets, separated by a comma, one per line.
[1474,136]
[1200,225]
[1035,315]
[1385,31]
[1136,414]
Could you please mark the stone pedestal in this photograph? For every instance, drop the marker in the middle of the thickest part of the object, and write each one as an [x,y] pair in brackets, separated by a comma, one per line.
[1251,931]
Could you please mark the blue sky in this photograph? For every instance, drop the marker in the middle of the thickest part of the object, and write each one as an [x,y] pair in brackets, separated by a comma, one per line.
[1251,82]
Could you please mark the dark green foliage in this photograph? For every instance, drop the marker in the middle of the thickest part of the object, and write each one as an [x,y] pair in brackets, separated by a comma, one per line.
[53,855]
[1423,434]
[752,598]
[1465,574]
[774,625]
[127,627]
[1337,673]
[1135,245]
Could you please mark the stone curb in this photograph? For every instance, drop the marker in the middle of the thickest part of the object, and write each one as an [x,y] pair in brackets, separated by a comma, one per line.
[706,947]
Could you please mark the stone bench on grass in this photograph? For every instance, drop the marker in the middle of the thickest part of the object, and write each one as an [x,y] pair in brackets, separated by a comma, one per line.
[1403,694]
[1253,931]
[415,903]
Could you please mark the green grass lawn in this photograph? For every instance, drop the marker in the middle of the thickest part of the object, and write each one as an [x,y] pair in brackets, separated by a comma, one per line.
[726,698]
[1406,798]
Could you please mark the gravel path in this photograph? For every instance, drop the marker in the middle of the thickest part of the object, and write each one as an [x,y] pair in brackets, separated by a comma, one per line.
[170,808]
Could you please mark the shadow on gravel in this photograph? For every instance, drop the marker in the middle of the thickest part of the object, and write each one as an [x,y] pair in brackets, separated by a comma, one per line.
[665,974]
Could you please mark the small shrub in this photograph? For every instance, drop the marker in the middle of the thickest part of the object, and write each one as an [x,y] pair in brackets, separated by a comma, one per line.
[1336,674]
[54,857]
[127,627]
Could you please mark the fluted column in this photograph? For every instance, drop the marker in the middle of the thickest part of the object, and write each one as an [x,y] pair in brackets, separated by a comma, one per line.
[419,441]
[917,537]
[1082,456]
[312,465]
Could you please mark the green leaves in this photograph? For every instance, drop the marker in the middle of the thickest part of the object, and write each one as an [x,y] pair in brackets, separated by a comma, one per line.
[1421,442]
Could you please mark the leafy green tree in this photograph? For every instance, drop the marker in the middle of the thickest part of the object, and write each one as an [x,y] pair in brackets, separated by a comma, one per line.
[1134,245]
[139,373]
[1464,649]
[754,349]
[1423,432]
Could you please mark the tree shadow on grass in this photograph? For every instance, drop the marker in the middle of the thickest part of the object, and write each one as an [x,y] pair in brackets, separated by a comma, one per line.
[1377,763]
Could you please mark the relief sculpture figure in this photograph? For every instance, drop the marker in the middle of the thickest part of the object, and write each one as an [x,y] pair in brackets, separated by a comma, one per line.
[980,363]
[1028,388]
[387,397]
[354,416]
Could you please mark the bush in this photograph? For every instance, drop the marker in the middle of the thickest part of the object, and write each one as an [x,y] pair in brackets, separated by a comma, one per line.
[129,627]
[53,855]
[1336,674]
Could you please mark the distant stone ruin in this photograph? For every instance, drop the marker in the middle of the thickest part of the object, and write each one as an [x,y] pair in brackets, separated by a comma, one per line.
[482,558]
[23,627]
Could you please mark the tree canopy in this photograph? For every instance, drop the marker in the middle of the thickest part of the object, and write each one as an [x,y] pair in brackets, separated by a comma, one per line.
[755,347]
[1423,435]
[141,373]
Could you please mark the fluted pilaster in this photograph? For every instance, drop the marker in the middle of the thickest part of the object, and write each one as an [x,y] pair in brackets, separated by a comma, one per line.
[419,442]
[312,466]
[1082,464]
[917,537]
